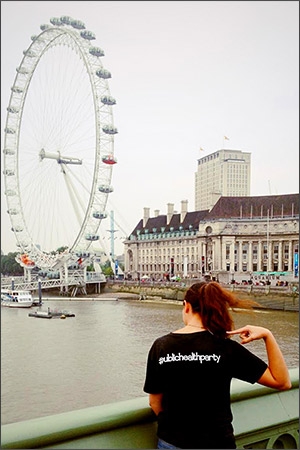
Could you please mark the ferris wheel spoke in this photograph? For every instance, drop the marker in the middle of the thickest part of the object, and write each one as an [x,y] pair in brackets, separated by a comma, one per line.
[75,197]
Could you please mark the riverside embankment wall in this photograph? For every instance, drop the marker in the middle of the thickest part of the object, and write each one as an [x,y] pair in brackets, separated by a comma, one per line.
[267,296]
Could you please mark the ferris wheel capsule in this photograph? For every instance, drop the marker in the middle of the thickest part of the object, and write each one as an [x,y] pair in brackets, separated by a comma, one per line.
[17,89]
[109,159]
[109,129]
[17,229]
[13,211]
[92,237]
[56,21]
[13,109]
[108,100]
[96,51]
[29,53]
[78,24]
[89,35]
[105,188]
[99,215]
[9,130]
[45,26]
[66,20]
[10,193]
[23,70]
[103,73]
[26,261]
[9,151]
[8,172]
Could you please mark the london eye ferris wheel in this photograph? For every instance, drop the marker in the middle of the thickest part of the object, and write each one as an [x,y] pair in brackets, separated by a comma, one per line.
[59,143]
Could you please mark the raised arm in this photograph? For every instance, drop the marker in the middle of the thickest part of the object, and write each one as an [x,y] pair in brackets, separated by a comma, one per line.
[276,375]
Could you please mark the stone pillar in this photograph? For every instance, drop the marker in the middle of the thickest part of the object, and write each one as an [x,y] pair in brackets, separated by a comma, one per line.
[290,266]
[259,256]
[270,257]
[223,253]
[218,254]
[240,261]
[232,256]
[250,256]
[280,256]
[204,254]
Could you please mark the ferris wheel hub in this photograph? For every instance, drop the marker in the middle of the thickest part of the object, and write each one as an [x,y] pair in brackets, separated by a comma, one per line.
[60,159]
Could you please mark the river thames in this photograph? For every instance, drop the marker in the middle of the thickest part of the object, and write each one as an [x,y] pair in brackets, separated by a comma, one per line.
[98,356]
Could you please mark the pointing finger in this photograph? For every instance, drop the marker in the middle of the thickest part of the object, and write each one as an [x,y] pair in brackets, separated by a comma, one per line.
[238,331]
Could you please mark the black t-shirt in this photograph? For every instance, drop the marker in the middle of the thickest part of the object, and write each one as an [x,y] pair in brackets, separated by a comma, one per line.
[194,372]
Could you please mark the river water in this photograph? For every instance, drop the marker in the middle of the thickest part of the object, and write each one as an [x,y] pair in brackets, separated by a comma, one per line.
[98,356]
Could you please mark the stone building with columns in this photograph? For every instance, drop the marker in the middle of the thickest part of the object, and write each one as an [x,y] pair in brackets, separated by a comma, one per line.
[239,238]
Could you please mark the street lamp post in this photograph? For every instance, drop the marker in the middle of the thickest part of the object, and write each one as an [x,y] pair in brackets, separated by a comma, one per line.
[232,277]
[40,291]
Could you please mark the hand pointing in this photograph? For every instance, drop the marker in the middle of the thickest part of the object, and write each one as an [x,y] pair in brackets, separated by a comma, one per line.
[250,333]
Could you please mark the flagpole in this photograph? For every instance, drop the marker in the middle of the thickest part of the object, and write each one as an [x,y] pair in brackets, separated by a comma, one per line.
[225,138]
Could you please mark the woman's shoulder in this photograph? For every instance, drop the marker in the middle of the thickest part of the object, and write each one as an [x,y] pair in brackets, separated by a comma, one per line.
[166,338]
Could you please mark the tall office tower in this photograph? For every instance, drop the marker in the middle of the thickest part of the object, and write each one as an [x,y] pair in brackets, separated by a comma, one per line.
[222,173]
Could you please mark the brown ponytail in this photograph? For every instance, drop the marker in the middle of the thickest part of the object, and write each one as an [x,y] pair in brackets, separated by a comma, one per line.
[213,302]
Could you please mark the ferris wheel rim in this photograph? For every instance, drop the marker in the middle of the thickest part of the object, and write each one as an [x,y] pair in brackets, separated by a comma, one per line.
[90,56]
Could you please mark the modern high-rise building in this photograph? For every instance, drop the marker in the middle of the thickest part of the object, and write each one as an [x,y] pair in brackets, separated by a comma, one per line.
[222,173]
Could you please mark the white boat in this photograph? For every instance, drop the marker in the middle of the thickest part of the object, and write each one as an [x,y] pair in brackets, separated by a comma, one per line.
[16,299]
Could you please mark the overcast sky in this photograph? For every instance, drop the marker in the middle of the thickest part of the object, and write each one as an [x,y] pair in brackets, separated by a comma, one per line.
[184,74]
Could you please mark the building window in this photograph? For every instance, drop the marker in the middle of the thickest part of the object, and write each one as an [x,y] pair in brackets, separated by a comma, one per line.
[286,251]
[227,251]
[265,252]
[254,252]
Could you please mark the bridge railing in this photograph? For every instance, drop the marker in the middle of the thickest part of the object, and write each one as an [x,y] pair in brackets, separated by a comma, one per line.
[263,418]
[33,284]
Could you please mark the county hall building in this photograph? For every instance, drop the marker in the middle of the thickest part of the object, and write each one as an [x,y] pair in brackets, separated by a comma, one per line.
[240,237]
